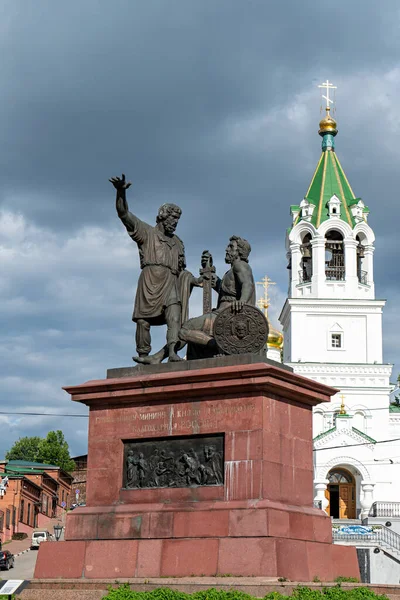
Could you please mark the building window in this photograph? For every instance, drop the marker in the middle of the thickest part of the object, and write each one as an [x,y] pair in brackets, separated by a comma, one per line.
[21,514]
[28,515]
[336,340]
[8,519]
[44,505]
[14,516]
[63,495]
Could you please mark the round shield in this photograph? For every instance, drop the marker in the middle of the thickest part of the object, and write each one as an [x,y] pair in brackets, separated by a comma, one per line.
[242,332]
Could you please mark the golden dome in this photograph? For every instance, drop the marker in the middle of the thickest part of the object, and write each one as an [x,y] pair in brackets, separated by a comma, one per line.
[275,338]
[328,124]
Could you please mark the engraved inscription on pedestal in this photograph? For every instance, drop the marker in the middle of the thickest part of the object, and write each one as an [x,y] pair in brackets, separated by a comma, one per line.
[174,462]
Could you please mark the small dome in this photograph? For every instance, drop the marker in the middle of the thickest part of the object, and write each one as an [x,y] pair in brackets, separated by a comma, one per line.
[327,125]
[275,338]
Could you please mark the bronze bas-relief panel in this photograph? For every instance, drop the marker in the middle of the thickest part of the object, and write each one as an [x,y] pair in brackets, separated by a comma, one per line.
[189,461]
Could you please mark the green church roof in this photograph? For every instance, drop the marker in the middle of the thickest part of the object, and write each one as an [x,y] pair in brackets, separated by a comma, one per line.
[329,180]
[360,433]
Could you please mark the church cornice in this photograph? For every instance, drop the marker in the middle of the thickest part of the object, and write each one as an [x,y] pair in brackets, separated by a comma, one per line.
[330,305]
[351,433]
[341,369]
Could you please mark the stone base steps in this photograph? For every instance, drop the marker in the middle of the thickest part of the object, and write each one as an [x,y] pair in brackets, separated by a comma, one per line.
[346,522]
[95,589]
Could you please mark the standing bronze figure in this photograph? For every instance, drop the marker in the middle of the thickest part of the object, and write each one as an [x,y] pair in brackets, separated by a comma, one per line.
[164,285]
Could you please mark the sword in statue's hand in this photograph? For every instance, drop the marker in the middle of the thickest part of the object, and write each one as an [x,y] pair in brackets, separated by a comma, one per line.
[206,272]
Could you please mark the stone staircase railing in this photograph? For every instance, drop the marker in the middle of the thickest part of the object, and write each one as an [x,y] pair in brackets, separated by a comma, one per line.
[371,535]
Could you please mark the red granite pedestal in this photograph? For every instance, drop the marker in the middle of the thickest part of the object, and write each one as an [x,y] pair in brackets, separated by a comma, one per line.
[260,522]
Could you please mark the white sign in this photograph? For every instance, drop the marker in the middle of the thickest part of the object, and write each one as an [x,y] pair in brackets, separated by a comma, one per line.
[11,586]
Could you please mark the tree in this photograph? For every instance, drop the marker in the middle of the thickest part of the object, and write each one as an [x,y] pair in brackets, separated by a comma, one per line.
[26,448]
[52,450]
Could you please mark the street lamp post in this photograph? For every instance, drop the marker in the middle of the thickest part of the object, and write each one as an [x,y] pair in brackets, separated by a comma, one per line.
[57,531]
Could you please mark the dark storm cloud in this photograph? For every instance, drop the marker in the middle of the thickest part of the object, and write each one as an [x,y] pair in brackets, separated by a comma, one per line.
[212,105]
[92,87]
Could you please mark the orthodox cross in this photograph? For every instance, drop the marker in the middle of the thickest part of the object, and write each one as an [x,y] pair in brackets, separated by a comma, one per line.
[207,270]
[342,407]
[264,302]
[328,86]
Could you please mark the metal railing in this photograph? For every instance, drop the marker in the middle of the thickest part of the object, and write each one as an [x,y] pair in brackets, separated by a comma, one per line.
[362,277]
[334,273]
[379,535]
[385,509]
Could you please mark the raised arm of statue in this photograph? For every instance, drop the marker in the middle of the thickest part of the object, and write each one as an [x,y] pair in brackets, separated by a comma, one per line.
[135,227]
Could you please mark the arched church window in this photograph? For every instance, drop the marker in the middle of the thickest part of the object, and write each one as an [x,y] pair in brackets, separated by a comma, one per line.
[361,268]
[339,476]
[334,256]
[306,259]
[359,420]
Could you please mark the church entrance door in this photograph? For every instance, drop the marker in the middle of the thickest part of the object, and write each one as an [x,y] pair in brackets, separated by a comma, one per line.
[341,494]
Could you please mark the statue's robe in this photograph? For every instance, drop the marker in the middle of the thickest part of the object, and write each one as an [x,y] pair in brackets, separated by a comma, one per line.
[163,279]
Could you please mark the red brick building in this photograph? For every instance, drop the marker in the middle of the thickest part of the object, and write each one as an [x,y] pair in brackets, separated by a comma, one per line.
[30,495]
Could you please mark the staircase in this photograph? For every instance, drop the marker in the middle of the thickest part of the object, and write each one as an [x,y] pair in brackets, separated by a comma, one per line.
[368,535]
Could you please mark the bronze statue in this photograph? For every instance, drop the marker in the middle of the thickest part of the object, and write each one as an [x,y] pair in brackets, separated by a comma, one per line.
[235,290]
[164,285]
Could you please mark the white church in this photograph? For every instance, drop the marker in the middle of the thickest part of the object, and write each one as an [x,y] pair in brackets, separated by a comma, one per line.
[332,328]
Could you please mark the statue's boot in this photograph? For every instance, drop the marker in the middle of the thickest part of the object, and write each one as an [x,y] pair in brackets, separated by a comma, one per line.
[152,359]
[158,357]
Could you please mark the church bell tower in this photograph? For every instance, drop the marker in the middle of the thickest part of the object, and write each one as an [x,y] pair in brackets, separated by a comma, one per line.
[332,322]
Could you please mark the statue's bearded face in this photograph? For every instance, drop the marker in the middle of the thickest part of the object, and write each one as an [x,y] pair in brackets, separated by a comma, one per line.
[231,252]
[170,223]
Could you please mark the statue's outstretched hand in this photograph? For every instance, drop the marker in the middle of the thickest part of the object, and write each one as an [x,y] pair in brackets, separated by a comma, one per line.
[119,182]
[206,259]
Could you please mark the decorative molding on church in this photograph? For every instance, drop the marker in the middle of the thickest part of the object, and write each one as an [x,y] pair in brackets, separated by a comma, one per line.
[337,308]
[343,461]
[341,369]
[348,435]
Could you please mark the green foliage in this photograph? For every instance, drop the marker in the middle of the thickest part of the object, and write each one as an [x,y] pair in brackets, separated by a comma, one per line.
[26,448]
[52,450]
[300,593]
[342,579]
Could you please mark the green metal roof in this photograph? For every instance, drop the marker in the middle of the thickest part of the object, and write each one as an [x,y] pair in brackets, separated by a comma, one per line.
[25,467]
[394,408]
[323,434]
[364,435]
[26,464]
[329,180]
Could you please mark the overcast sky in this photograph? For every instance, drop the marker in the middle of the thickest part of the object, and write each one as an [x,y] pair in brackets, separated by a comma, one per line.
[211,104]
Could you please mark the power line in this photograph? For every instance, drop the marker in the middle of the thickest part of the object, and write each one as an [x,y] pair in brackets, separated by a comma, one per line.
[353,445]
[41,414]
[33,414]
